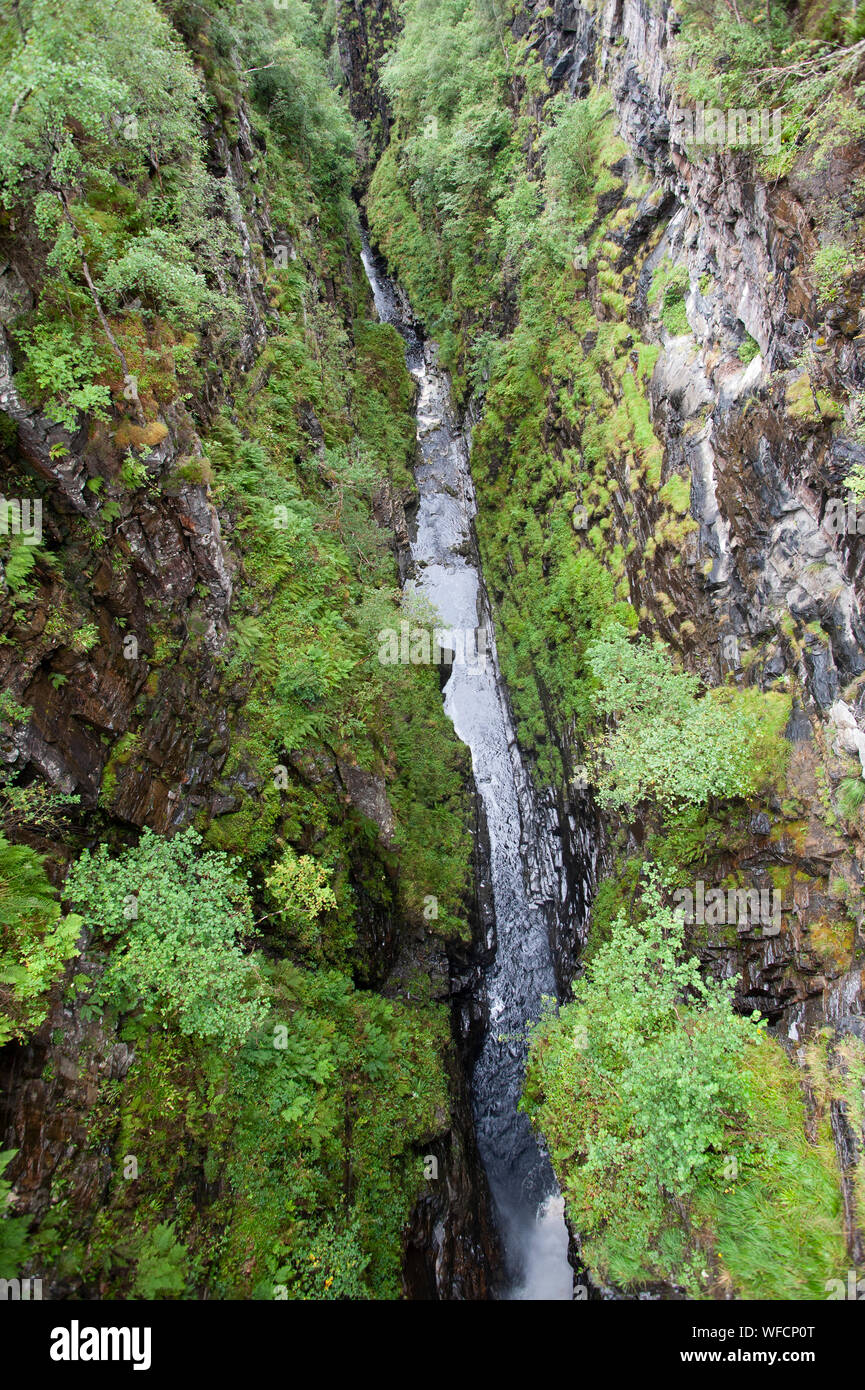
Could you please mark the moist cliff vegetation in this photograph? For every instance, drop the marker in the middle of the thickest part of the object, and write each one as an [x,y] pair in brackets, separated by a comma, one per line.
[216,942]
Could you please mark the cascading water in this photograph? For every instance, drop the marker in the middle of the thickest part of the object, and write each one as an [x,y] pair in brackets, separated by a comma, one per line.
[525,854]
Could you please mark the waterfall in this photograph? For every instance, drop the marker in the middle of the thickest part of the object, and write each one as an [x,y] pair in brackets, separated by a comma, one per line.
[526,861]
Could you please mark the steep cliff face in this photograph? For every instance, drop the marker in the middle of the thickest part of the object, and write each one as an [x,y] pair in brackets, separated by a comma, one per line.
[363,33]
[667,388]
[764,587]
[141,658]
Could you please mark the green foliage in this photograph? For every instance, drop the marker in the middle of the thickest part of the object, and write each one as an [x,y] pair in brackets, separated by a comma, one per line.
[648,1057]
[339,1081]
[11,710]
[160,1263]
[851,794]
[668,745]
[670,285]
[34,804]
[321,583]
[133,472]
[291,83]
[645,1087]
[13,1229]
[310,1135]
[572,141]
[35,941]
[261,1165]
[301,889]
[447,75]
[832,268]
[59,375]
[751,57]
[676,492]
[20,565]
[102,148]
[180,915]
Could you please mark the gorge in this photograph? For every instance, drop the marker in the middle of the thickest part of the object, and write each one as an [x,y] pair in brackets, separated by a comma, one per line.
[445,425]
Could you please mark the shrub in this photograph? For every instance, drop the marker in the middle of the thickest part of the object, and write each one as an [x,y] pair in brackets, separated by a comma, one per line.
[832,267]
[180,916]
[635,1084]
[671,284]
[647,1088]
[668,743]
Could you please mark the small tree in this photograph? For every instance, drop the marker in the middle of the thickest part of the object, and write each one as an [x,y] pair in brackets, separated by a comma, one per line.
[179,916]
[666,742]
[638,1083]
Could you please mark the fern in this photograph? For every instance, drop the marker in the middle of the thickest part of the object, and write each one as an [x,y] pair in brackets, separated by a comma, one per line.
[24,887]
[35,941]
[21,561]
[13,1229]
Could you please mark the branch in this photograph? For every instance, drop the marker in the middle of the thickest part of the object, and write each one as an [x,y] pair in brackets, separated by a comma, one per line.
[16,106]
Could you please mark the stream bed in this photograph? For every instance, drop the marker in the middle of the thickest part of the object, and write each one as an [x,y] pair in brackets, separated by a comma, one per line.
[526,863]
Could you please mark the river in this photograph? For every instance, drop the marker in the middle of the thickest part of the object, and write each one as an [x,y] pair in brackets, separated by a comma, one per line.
[525,853]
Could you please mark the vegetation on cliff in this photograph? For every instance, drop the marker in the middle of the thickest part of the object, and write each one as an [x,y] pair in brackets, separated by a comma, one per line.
[267,1138]
[253,995]
[522,227]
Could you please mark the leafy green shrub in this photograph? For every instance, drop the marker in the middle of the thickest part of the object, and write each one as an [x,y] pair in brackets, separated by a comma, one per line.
[572,136]
[62,364]
[648,1056]
[646,1088]
[832,266]
[669,745]
[300,886]
[180,916]
[133,472]
[670,285]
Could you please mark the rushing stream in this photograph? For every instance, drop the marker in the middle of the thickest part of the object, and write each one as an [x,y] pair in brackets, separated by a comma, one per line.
[525,855]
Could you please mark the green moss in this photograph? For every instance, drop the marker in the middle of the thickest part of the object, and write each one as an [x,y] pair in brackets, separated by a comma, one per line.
[669,288]
[676,492]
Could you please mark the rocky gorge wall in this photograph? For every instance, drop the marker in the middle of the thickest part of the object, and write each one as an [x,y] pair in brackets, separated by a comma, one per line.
[124,654]
[761,587]
[730,553]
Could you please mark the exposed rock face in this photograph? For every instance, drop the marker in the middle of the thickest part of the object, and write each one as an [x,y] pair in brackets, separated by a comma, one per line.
[760,477]
[164,577]
[50,1087]
[763,586]
[362,32]
[138,724]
